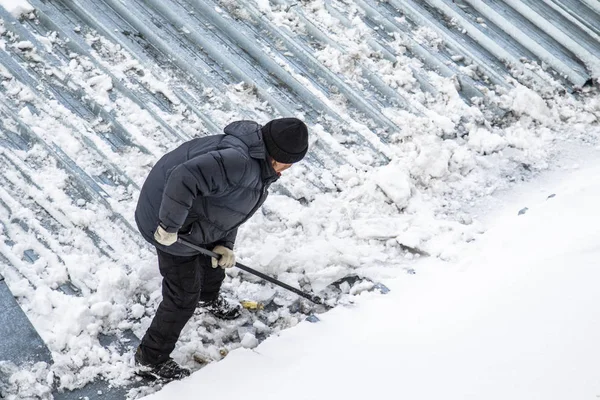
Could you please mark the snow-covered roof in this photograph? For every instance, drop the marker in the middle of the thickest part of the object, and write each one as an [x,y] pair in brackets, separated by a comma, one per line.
[416,110]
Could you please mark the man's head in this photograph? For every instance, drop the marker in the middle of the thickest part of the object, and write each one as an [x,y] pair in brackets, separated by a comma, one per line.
[286,140]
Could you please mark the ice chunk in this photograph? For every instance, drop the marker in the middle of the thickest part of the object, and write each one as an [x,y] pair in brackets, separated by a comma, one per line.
[137,311]
[380,228]
[526,101]
[24,45]
[260,326]
[249,341]
[101,309]
[486,142]
[395,183]
[432,162]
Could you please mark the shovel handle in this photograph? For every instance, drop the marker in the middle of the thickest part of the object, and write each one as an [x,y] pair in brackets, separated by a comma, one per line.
[314,298]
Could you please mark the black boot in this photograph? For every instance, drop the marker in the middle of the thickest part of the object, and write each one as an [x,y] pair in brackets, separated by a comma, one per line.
[221,308]
[168,370]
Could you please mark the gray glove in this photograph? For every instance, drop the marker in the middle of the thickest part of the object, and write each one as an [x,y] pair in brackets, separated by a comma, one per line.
[163,237]
[227,259]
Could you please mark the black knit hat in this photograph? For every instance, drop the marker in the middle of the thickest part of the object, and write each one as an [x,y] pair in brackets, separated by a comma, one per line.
[286,139]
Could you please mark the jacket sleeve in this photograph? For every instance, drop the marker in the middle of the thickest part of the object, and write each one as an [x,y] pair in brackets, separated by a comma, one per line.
[229,240]
[210,174]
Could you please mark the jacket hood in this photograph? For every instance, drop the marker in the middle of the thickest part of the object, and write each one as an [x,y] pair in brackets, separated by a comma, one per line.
[250,134]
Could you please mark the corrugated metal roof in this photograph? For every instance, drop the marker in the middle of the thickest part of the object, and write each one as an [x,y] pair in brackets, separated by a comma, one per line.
[207,49]
[188,66]
[210,49]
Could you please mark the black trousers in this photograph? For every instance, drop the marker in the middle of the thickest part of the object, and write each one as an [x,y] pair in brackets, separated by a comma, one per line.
[186,280]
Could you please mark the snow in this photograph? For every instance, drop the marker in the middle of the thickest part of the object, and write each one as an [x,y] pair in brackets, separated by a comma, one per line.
[16,7]
[263,5]
[485,142]
[516,318]
[526,101]
[24,45]
[249,341]
[395,183]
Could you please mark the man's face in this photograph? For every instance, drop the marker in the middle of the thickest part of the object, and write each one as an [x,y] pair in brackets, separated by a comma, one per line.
[279,167]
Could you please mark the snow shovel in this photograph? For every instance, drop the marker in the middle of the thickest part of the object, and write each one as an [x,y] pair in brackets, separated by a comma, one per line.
[314,298]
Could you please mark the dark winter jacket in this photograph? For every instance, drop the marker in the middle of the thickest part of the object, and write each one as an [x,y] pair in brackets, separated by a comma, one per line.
[206,188]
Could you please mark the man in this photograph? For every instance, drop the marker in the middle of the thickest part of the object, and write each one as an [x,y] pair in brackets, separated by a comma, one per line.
[202,192]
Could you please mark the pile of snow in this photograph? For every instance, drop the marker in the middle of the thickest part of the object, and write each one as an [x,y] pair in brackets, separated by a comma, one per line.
[517,319]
